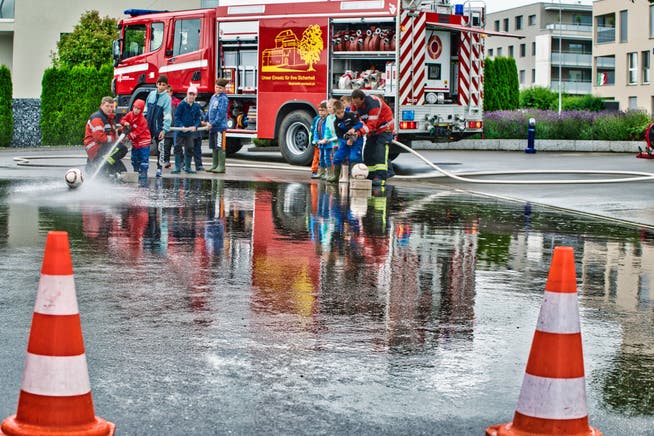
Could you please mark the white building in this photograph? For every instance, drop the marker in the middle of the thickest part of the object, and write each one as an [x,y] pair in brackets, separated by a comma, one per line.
[30,29]
[622,53]
[556,50]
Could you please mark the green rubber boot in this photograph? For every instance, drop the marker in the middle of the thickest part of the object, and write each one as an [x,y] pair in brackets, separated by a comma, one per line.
[214,161]
[221,161]
[187,165]
[178,164]
[335,174]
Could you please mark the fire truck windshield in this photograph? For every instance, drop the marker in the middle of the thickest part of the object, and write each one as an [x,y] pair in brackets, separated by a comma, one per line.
[133,41]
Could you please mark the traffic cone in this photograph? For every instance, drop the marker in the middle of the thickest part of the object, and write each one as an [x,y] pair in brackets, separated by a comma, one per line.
[55,394]
[552,400]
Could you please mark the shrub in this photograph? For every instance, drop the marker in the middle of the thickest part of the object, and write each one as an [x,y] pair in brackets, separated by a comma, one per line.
[6,112]
[571,125]
[580,102]
[537,97]
[68,97]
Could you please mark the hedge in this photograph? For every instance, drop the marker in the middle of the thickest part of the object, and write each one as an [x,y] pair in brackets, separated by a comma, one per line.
[68,97]
[6,111]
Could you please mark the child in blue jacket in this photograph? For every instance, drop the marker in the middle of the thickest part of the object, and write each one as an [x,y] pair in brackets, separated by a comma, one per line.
[323,137]
[349,149]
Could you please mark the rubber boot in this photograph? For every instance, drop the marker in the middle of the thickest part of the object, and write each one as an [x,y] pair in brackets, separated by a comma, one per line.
[178,164]
[214,161]
[143,174]
[345,174]
[187,165]
[335,174]
[221,161]
[328,173]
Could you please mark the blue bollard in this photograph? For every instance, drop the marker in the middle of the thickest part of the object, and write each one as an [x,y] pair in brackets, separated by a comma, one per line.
[531,136]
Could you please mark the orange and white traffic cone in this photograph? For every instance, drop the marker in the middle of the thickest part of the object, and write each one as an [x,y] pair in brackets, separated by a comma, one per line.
[552,400]
[55,395]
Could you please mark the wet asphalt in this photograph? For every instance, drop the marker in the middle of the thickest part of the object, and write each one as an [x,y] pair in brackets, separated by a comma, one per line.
[622,197]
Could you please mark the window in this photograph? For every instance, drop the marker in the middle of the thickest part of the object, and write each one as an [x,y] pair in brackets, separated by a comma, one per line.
[582,20]
[133,41]
[633,103]
[605,70]
[497,25]
[187,36]
[533,75]
[518,22]
[575,47]
[533,48]
[632,65]
[532,20]
[7,9]
[434,72]
[156,36]
[523,50]
[490,52]
[522,77]
[499,51]
[624,26]
[510,51]
[651,21]
[506,24]
[605,28]
[645,60]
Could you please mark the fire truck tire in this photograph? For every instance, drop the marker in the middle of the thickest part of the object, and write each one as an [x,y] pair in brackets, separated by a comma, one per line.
[232,146]
[294,138]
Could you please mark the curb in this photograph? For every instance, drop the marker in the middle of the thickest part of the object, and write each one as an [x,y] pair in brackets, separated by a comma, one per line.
[540,145]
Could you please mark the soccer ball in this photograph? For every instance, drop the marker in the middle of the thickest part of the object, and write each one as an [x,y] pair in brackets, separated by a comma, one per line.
[359,171]
[74,178]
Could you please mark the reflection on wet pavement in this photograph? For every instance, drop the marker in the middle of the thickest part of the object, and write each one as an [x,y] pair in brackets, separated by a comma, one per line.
[327,311]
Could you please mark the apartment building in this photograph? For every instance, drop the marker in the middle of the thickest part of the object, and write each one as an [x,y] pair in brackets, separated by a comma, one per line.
[556,51]
[622,53]
[30,29]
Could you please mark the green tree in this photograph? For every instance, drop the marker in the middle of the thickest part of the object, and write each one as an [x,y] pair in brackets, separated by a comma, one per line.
[501,87]
[89,44]
[6,111]
[490,86]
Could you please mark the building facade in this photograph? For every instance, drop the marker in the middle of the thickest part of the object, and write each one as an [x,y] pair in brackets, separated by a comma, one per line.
[30,30]
[556,51]
[622,53]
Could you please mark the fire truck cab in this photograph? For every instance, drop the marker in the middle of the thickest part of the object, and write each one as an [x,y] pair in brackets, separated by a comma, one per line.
[424,58]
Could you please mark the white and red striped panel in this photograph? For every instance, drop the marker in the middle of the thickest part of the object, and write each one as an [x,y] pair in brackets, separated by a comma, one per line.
[471,85]
[411,72]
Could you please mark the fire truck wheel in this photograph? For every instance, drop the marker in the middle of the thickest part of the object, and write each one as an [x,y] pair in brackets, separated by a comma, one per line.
[294,138]
[232,146]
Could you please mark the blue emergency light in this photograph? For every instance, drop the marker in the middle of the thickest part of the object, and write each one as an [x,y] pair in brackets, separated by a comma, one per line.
[408,115]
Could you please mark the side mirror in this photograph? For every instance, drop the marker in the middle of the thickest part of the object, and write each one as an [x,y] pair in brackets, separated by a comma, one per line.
[115,48]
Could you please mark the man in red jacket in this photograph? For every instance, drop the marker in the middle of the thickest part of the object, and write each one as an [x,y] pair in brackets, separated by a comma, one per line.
[378,125]
[100,136]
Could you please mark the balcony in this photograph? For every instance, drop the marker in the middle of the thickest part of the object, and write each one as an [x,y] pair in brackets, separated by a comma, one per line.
[572,87]
[569,28]
[572,59]
[605,62]
[605,34]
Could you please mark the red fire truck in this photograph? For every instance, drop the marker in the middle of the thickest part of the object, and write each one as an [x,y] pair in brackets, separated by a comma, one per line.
[425,58]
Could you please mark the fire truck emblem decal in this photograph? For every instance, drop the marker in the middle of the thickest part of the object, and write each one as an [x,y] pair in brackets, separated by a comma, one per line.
[292,54]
